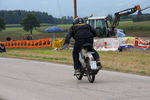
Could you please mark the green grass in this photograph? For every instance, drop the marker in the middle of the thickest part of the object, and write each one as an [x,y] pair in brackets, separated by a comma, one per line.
[17,33]
[129,25]
[131,61]
[136,29]
[14,31]
[122,22]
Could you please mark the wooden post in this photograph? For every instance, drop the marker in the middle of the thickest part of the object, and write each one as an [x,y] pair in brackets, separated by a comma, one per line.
[75,9]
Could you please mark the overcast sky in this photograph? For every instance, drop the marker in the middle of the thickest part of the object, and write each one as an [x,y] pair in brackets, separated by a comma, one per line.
[59,8]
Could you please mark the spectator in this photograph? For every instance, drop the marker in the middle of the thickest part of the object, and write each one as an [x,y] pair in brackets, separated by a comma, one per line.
[8,38]
[29,37]
[2,48]
[118,33]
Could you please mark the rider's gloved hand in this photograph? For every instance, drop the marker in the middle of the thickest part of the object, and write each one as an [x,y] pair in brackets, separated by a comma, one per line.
[64,46]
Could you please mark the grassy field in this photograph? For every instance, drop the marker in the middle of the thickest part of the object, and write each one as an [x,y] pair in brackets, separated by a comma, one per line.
[139,29]
[16,32]
[129,25]
[131,61]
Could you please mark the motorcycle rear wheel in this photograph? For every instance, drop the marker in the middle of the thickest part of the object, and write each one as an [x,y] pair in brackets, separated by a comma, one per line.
[91,77]
[90,74]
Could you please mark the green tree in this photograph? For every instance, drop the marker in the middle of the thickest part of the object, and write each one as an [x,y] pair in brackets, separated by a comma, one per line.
[2,24]
[30,22]
[110,18]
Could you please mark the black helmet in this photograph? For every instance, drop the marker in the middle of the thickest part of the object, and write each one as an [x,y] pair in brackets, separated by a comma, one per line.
[78,21]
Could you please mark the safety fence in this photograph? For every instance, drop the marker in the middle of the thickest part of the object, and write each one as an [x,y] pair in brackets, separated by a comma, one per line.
[28,43]
[104,44]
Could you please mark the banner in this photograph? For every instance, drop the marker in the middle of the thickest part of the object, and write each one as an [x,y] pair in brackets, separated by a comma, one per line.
[141,43]
[112,44]
[106,44]
[57,43]
[129,40]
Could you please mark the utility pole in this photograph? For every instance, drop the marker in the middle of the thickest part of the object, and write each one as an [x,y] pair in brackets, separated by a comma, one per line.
[75,9]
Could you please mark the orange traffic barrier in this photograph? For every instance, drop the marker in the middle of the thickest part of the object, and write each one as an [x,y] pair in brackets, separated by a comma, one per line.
[28,43]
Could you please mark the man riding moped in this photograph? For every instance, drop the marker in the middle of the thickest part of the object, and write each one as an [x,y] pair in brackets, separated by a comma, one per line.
[82,33]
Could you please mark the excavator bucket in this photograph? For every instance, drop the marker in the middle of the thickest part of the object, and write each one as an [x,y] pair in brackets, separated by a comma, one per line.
[137,7]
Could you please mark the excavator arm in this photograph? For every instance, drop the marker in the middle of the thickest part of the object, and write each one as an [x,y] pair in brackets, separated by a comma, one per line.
[140,11]
[125,12]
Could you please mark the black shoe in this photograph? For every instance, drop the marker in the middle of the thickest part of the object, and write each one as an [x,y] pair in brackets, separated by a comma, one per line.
[77,72]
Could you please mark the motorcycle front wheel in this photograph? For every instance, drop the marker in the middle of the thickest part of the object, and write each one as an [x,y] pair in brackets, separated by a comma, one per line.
[79,77]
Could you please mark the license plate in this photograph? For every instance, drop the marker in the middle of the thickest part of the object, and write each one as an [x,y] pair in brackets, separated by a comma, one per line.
[93,65]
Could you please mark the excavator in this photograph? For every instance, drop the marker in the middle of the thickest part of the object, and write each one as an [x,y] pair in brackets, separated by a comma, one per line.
[101,23]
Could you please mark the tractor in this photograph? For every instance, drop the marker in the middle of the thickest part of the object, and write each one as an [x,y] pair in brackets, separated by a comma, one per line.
[101,23]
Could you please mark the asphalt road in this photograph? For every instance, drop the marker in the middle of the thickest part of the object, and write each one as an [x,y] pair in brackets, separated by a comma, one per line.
[34,80]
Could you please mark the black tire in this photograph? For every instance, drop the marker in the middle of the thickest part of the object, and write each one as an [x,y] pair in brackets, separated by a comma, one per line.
[79,77]
[91,77]
[90,74]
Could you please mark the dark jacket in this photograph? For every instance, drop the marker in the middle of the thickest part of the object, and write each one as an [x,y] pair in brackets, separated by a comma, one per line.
[80,31]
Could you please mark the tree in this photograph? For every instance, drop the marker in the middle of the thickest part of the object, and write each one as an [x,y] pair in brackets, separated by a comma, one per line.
[43,17]
[144,17]
[110,18]
[30,22]
[2,24]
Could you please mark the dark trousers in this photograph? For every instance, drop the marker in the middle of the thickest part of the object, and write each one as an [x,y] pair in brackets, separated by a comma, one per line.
[77,48]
